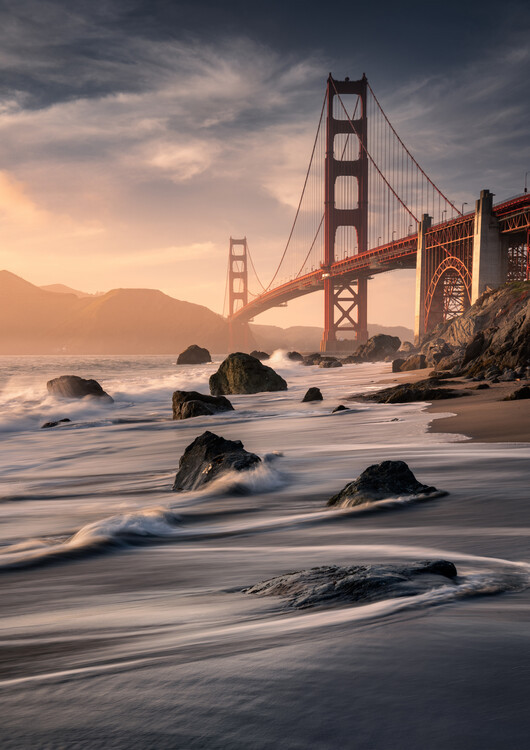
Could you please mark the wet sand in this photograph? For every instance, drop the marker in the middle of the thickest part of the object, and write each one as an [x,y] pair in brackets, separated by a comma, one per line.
[480,415]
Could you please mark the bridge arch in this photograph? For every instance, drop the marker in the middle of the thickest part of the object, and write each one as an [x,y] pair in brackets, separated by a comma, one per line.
[449,292]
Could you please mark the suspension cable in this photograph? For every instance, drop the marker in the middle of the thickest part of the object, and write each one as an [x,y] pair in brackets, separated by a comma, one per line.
[369,155]
[409,154]
[302,196]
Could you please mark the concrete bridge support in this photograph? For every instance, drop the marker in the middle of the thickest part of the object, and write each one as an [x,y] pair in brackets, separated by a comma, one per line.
[489,266]
[419,302]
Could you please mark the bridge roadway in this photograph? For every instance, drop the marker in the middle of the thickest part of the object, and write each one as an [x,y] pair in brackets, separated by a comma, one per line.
[392,256]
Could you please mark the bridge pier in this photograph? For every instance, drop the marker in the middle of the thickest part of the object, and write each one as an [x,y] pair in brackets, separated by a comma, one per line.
[489,262]
[419,316]
[340,300]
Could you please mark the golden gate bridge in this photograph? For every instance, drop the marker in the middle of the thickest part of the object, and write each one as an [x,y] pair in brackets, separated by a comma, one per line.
[367,207]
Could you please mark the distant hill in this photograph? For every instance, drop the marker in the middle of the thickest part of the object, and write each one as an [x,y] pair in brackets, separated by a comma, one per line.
[307,338]
[60,320]
[63,289]
[122,321]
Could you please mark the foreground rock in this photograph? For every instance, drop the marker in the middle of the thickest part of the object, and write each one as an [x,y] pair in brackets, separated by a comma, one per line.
[406,393]
[414,362]
[313,394]
[72,386]
[520,393]
[361,584]
[241,373]
[47,425]
[379,482]
[194,355]
[187,404]
[260,355]
[208,457]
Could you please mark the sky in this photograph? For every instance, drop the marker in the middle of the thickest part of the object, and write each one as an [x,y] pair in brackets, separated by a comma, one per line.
[137,136]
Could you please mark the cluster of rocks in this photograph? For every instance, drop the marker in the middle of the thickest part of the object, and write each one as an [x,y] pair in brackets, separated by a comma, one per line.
[378,348]
[490,340]
[321,360]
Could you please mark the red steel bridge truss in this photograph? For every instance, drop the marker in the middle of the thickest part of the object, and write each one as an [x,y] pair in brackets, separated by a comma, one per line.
[363,204]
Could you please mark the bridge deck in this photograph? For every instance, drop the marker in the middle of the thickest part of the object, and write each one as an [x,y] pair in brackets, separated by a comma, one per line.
[514,215]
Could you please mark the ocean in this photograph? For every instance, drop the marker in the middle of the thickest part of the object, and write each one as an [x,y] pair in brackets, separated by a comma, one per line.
[124,618]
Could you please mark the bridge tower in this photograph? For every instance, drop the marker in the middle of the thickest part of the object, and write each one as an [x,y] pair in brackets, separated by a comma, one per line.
[237,292]
[341,298]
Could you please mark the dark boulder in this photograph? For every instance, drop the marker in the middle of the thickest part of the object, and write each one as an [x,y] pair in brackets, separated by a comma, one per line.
[331,585]
[414,362]
[407,347]
[295,356]
[340,407]
[378,347]
[187,404]
[396,365]
[481,387]
[352,359]
[520,393]
[54,424]
[72,386]
[313,394]
[379,482]
[260,355]
[312,359]
[327,362]
[194,355]
[208,457]
[241,373]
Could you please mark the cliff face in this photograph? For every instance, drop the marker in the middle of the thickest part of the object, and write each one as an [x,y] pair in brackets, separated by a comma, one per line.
[492,333]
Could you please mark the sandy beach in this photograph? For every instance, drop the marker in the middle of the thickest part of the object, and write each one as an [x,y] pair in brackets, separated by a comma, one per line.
[481,415]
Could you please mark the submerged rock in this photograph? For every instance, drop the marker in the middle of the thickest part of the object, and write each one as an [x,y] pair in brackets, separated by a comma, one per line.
[334,585]
[379,482]
[340,407]
[241,373]
[260,355]
[405,393]
[194,355]
[187,404]
[46,425]
[295,356]
[72,386]
[313,394]
[208,457]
